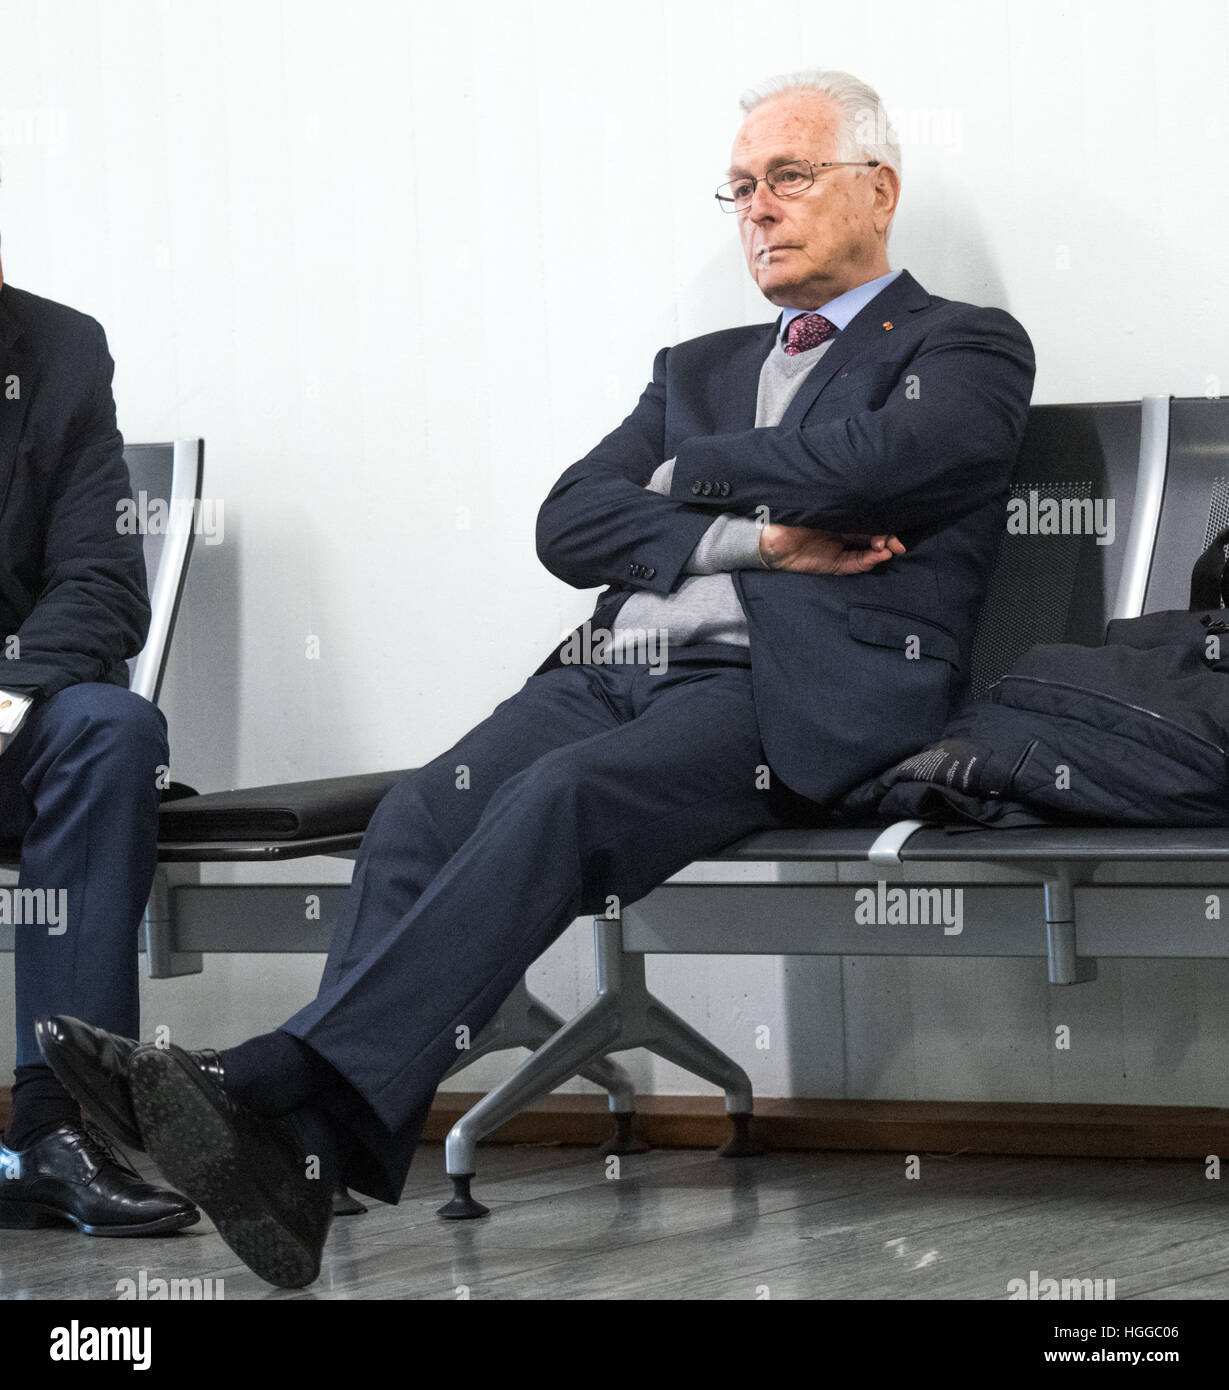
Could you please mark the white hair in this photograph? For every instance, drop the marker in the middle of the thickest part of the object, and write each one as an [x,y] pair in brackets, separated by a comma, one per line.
[865,132]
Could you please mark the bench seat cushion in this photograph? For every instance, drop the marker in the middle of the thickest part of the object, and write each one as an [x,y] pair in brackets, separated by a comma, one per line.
[287,811]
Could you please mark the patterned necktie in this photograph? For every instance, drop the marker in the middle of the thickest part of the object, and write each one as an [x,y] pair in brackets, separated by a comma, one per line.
[808,331]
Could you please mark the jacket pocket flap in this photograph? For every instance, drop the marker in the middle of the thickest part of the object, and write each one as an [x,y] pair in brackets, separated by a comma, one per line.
[886,627]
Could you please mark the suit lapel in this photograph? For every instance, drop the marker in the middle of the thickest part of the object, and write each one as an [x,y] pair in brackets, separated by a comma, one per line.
[741,379]
[864,331]
[16,388]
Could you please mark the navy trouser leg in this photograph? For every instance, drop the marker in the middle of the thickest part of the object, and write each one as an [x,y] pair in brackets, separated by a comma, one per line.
[430,813]
[79,786]
[673,772]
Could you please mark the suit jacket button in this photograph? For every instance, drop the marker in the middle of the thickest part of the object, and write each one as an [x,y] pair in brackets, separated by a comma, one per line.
[649,572]
[724,489]
[706,489]
[695,488]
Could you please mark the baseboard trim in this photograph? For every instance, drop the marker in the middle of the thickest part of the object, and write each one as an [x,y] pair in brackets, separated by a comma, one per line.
[893,1126]
[888,1126]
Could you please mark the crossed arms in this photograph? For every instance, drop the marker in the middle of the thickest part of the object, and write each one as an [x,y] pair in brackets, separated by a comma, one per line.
[917,464]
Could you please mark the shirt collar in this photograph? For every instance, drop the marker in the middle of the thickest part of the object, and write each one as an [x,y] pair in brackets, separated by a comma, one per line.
[840,311]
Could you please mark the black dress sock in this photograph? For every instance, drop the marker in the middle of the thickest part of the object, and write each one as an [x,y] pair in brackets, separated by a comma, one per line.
[321,1135]
[40,1103]
[275,1073]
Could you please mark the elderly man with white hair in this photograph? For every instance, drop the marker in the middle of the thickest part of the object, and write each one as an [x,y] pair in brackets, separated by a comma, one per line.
[806,511]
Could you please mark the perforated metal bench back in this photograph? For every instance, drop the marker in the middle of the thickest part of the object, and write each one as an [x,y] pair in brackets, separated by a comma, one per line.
[1060,588]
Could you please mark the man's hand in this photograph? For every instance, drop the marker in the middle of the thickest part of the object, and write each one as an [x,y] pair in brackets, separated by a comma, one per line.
[807,551]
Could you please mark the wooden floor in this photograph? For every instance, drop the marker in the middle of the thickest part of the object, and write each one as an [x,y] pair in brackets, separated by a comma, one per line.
[685,1224]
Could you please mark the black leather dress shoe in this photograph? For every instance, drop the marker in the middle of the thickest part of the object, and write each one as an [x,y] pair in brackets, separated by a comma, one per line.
[92,1066]
[72,1176]
[253,1175]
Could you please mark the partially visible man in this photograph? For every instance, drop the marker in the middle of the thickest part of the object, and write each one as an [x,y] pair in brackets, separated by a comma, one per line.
[874,426]
[79,755]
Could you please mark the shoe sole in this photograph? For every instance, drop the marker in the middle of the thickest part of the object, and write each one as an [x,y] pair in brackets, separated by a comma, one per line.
[199,1153]
[61,1061]
[29,1216]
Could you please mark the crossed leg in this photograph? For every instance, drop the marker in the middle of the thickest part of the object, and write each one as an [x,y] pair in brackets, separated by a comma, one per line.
[591,783]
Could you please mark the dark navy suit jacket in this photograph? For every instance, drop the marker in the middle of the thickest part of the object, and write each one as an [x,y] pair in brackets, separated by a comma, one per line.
[72,588]
[909,424]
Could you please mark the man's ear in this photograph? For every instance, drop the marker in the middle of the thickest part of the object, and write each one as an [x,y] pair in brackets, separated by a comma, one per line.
[886,196]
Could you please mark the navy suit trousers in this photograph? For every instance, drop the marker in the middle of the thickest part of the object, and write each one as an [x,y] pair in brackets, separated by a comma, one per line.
[592,782]
[79,789]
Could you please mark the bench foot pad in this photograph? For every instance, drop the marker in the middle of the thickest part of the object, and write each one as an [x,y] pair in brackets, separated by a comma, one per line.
[741,1144]
[624,1140]
[462,1207]
[345,1203]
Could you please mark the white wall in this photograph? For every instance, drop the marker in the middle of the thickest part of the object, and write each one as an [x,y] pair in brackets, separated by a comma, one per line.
[351,247]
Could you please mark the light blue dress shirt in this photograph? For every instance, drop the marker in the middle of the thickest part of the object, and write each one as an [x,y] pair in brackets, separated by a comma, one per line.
[840,311]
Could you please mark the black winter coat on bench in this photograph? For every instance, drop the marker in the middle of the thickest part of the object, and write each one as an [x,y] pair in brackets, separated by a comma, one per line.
[1134,732]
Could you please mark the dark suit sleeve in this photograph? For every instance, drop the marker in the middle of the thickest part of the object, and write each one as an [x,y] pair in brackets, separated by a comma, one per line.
[933,452]
[599,524]
[92,611]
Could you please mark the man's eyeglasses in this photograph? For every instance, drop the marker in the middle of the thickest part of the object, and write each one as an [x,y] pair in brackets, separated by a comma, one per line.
[786,181]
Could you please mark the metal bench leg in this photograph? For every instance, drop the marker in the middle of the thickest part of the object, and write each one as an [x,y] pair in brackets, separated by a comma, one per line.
[543,1024]
[647,1022]
[524,1021]
[673,1038]
[162,961]
[624,1015]
[593,1031]
[1066,967]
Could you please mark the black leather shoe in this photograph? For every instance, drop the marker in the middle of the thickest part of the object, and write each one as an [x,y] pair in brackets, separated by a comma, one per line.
[73,1176]
[252,1175]
[92,1066]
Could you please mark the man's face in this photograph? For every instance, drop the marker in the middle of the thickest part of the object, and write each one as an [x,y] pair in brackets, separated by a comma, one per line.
[803,251]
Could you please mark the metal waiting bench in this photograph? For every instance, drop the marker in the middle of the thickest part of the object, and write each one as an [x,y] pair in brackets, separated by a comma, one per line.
[1065,894]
